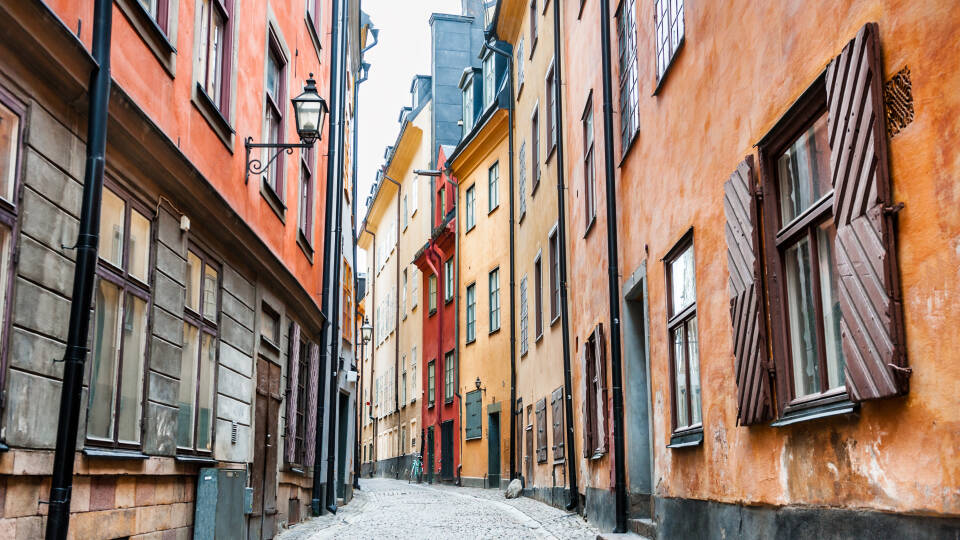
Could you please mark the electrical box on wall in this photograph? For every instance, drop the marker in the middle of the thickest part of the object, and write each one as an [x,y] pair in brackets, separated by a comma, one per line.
[220,508]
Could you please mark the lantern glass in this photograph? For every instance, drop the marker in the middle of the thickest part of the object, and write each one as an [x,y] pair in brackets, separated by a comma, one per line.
[309,109]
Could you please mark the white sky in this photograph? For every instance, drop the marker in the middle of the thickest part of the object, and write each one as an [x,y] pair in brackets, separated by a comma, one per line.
[403,51]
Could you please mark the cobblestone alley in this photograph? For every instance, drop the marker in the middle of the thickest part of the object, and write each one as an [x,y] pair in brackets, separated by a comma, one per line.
[386,509]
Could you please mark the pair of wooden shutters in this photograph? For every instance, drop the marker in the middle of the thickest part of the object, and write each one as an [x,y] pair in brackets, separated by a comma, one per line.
[542,430]
[871,310]
[593,386]
[556,406]
[310,420]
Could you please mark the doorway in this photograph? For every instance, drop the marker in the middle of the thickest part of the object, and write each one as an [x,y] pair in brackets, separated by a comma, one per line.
[446,450]
[430,454]
[263,520]
[493,449]
[636,330]
[343,422]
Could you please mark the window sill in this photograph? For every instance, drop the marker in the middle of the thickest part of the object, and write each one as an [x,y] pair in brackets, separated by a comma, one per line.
[113,453]
[448,300]
[470,342]
[152,35]
[199,460]
[630,145]
[666,71]
[523,353]
[430,405]
[448,401]
[589,228]
[271,346]
[554,320]
[305,246]
[468,439]
[523,214]
[539,338]
[492,210]
[273,200]
[807,414]
[214,117]
[550,152]
[533,46]
[295,469]
[314,36]
[494,331]
[686,440]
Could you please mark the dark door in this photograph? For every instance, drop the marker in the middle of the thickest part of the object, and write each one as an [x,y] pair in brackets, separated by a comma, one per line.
[264,478]
[528,459]
[430,454]
[342,425]
[493,449]
[446,450]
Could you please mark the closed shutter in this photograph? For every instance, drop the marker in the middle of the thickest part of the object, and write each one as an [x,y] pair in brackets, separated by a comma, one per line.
[600,357]
[586,392]
[754,402]
[311,430]
[474,426]
[556,406]
[542,430]
[529,462]
[870,304]
[293,369]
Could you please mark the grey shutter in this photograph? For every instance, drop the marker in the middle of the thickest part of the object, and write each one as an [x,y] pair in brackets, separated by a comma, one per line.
[474,428]
[586,406]
[754,403]
[293,369]
[542,430]
[871,309]
[556,406]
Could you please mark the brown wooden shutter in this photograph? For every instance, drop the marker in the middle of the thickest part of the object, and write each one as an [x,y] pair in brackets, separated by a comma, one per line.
[754,403]
[600,357]
[542,430]
[869,290]
[586,392]
[311,430]
[556,403]
[293,369]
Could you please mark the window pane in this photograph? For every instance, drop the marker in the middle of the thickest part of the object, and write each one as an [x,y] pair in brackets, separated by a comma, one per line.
[194,267]
[9,131]
[269,326]
[273,77]
[803,339]
[188,385]
[493,193]
[210,281]
[111,228]
[208,364]
[215,63]
[202,55]
[139,245]
[683,281]
[134,351]
[694,356]
[103,371]
[804,171]
[681,376]
[826,234]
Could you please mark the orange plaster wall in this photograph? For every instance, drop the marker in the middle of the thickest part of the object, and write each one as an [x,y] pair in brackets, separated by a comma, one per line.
[166,100]
[741,67]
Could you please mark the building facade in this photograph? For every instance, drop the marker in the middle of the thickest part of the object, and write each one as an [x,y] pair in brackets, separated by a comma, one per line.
[205,339]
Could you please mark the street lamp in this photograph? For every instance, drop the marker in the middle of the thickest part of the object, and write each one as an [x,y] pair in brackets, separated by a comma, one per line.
[366,331]
[309,112]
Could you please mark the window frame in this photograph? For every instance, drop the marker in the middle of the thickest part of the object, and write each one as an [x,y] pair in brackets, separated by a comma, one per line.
[305,203]
[489,73]
[549,81]
[448,280]
[628,75]
[222,102]
[470,197]
[535,148]
[589,166]
[553,242]
[272,178]
[431,383]
[9,212]
[449,376]
[470,329]
[432,293]
[127,284]
[524,317]
[680,320]
[672,49]
[493,282]
[538,296]
[534,27]
[493,187]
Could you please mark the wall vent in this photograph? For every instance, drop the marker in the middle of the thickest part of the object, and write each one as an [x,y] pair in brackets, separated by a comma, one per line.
[898,101]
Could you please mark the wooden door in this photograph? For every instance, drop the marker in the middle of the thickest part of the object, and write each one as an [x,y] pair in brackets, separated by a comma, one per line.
[264,475]
[493,449]
[446,450]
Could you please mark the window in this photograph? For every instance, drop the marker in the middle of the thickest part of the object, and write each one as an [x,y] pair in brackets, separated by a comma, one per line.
[415,289]
[522,181]
[403,295]
[533,26]
[403,381]
[431,383]
[198,357]
[406,215]
[495,300]
[346,322]
[114,409]
[551,110]
[433,293]
[306,195]
[595,406]
[471,312]
[270,326]
[442,203]
[519,63]
[158,11]
[214,53]
[448,275]
[682,330]
[449,377]
[589,168]
[627,43]
[668,16]
[524,330]
[493,187]
[471,201]
[538,296]
[298,369]
[489,80]
[11,113]
[467,107]
[313,13]
[275,99]
[554,277]
[556,406]
[413,372]
[535,148]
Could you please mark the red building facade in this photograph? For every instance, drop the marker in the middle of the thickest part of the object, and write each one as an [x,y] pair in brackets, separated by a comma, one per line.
[441,403]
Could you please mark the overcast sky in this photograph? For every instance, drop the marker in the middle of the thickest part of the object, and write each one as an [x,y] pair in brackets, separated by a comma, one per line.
[403,51]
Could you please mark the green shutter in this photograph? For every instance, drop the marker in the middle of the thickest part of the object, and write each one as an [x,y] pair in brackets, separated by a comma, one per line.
[474,428]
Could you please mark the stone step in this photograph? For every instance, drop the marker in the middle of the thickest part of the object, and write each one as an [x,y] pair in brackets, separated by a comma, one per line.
[645,527]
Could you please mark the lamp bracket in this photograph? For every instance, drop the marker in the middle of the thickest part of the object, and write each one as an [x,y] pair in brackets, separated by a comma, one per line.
[256,166]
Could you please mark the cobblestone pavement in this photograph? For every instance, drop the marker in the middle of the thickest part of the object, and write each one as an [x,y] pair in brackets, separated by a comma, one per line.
[388,509]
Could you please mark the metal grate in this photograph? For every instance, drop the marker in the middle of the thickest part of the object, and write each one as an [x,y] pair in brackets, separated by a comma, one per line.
[898,101]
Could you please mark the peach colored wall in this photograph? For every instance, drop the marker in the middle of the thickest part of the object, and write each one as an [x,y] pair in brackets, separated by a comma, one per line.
[166,100]
[741,67]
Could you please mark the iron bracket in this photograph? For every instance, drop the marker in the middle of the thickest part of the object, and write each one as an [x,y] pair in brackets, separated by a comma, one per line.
[256,166]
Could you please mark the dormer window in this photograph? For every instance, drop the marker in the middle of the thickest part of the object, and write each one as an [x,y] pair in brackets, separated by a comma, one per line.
[467,106]
[489,80]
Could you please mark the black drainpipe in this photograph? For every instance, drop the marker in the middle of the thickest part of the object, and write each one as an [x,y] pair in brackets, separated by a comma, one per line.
[620,475]
[513,272]
[562,232]
[334,365]
[333,122]
[58,520]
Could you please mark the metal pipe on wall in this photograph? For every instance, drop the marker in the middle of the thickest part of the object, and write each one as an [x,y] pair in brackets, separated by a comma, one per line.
[58,519]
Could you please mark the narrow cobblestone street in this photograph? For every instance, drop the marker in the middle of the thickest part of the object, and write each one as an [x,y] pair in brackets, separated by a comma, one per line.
[385,508]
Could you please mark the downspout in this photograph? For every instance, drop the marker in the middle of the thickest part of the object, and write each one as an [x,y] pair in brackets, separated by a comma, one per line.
[333,122]
[335,285]
[513,303]
[620,476]
[58,520]
[396,320]
[562,232]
